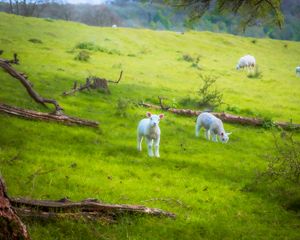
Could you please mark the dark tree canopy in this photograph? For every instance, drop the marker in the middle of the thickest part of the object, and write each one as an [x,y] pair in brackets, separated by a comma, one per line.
[253,11]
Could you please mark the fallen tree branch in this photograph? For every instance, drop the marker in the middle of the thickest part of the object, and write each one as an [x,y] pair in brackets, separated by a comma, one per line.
[93,82]
[91,206]
[11,227]
[226,117]
[6,65]
[120,77]
[29,114]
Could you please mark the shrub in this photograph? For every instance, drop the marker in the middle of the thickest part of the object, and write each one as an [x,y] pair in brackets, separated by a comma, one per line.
[93,47]
[123,104]
[209,95]
[195,64]
[268,123]
[83,56]
[35,41]
[187,58]
[285,163]
[87,46]
[193,60]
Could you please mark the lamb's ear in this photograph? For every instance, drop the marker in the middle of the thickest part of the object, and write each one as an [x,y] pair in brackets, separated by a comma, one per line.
[222,134]
[229,133]
[149,114]
[161,116]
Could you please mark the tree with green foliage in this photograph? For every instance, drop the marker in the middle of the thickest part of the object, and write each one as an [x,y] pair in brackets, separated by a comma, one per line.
[253,11]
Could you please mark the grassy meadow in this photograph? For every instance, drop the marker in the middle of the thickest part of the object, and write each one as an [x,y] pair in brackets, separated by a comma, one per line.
[204,183]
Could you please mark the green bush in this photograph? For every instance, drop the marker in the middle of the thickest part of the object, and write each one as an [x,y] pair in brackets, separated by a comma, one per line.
[123,104]
[285,164]
[268,123]
[187,58]
[87,46]
[191,59]
[83,56]
[209,95]
[93,47]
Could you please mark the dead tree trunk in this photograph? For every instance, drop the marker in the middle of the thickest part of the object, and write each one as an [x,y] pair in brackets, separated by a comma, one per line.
[88,207]
[29,114]
[225,117]
[6,65]
[93,82]
[11,227]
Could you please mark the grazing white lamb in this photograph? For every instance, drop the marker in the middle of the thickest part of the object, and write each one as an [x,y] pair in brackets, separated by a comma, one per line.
[114,26]
[247,61]
[212,125]
[298,71]
[149,128]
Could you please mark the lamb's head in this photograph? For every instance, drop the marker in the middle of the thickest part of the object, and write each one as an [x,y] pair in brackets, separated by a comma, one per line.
[224,136]
[154,119]
[238,66]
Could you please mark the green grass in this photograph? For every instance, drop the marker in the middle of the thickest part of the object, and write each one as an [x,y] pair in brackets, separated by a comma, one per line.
[208,178]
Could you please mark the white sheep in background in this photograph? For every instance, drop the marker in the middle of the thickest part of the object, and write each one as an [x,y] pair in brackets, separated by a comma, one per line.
[298,71]
[247,61]
[114,26]
[149,128]
[212,125]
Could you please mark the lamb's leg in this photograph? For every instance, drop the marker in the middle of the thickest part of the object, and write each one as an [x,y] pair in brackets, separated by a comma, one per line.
[156,147]
[139,142]
[207,134]
[214,137]
[198,127]
[149,144]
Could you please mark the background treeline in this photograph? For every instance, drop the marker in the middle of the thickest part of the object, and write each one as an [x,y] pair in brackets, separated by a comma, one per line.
[141,14]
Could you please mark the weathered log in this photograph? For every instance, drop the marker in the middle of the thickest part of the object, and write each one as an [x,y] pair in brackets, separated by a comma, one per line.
[29,114]
[6,65]
[91,206]
[11,227]
[46,216]
[226,117]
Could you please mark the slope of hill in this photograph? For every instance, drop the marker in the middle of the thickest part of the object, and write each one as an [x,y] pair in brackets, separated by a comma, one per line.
[206,178]
[155,15]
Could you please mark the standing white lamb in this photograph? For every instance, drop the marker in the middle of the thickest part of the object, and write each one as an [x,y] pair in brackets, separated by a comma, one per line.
[149,128]
[298,71]
[212,125]
[247,61]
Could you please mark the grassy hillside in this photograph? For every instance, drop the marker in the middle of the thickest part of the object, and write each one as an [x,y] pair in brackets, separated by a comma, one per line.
[207,178]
